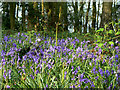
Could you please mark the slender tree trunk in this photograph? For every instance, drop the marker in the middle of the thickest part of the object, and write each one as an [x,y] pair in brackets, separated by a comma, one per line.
[85,28]
[23,16]
[81,14]
[12,15]
[65,15]
[17,10]
[98,14]
[42,8]
[93,18]
[76,26]
[30,16]
[35,6]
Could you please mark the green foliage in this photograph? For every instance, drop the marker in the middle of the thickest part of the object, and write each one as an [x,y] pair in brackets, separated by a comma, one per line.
[103,35]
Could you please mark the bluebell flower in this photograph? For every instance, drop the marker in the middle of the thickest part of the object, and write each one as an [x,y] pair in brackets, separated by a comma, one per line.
[37,71]
[65,72]
[72,68]
[107,72]
[101,72]
[7,86]
[82,75]
[5,38]
[92,85]
[116,56]
[32,76]
[46,85]
[14,45]
[76,71]
[86,87]
[96,78]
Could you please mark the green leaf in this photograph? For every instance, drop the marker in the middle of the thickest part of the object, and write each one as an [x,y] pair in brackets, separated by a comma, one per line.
[110,31]
[98,40]
[102,29]
[118,33]
[111,42]
[98,31]
[116,23]
[71,47]
[100,45]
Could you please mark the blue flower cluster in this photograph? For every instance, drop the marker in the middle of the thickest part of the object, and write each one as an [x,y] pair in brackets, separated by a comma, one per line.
[70,64]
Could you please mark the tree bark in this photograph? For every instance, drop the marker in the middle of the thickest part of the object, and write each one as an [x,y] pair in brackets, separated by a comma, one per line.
[93,18]
[76,26]
[85,28]
[65,15]
[98,14]
[12,15]
[81,14]
[106,13]
[23,16]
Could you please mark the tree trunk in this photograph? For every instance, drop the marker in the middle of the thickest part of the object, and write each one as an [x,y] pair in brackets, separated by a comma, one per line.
[106,13]
[6,16]
[81,14]
[35,6]
[23,16]
[12,15]
[85,28]
[65,15]
[93,18]
[98,14]
[76,26]
[17,10]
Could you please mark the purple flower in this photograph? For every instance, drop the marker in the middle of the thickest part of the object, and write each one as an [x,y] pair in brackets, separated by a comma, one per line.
[92,85]
[4,74]
[103,61]
[116,47]
[73,78]
[101,72]
[46,86]
[73,86]
[86,87]
[49,66]
[37,71]
[65,72]
[112,45]
[100,50]
[9,73]
[6,38]
[107,72]
[94,69]
[32,76]
[76,71]
[105,43]
[82,75]
[116,56]
[78,67]
[72,68]
[7,86]
[14,45]
[96,78]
